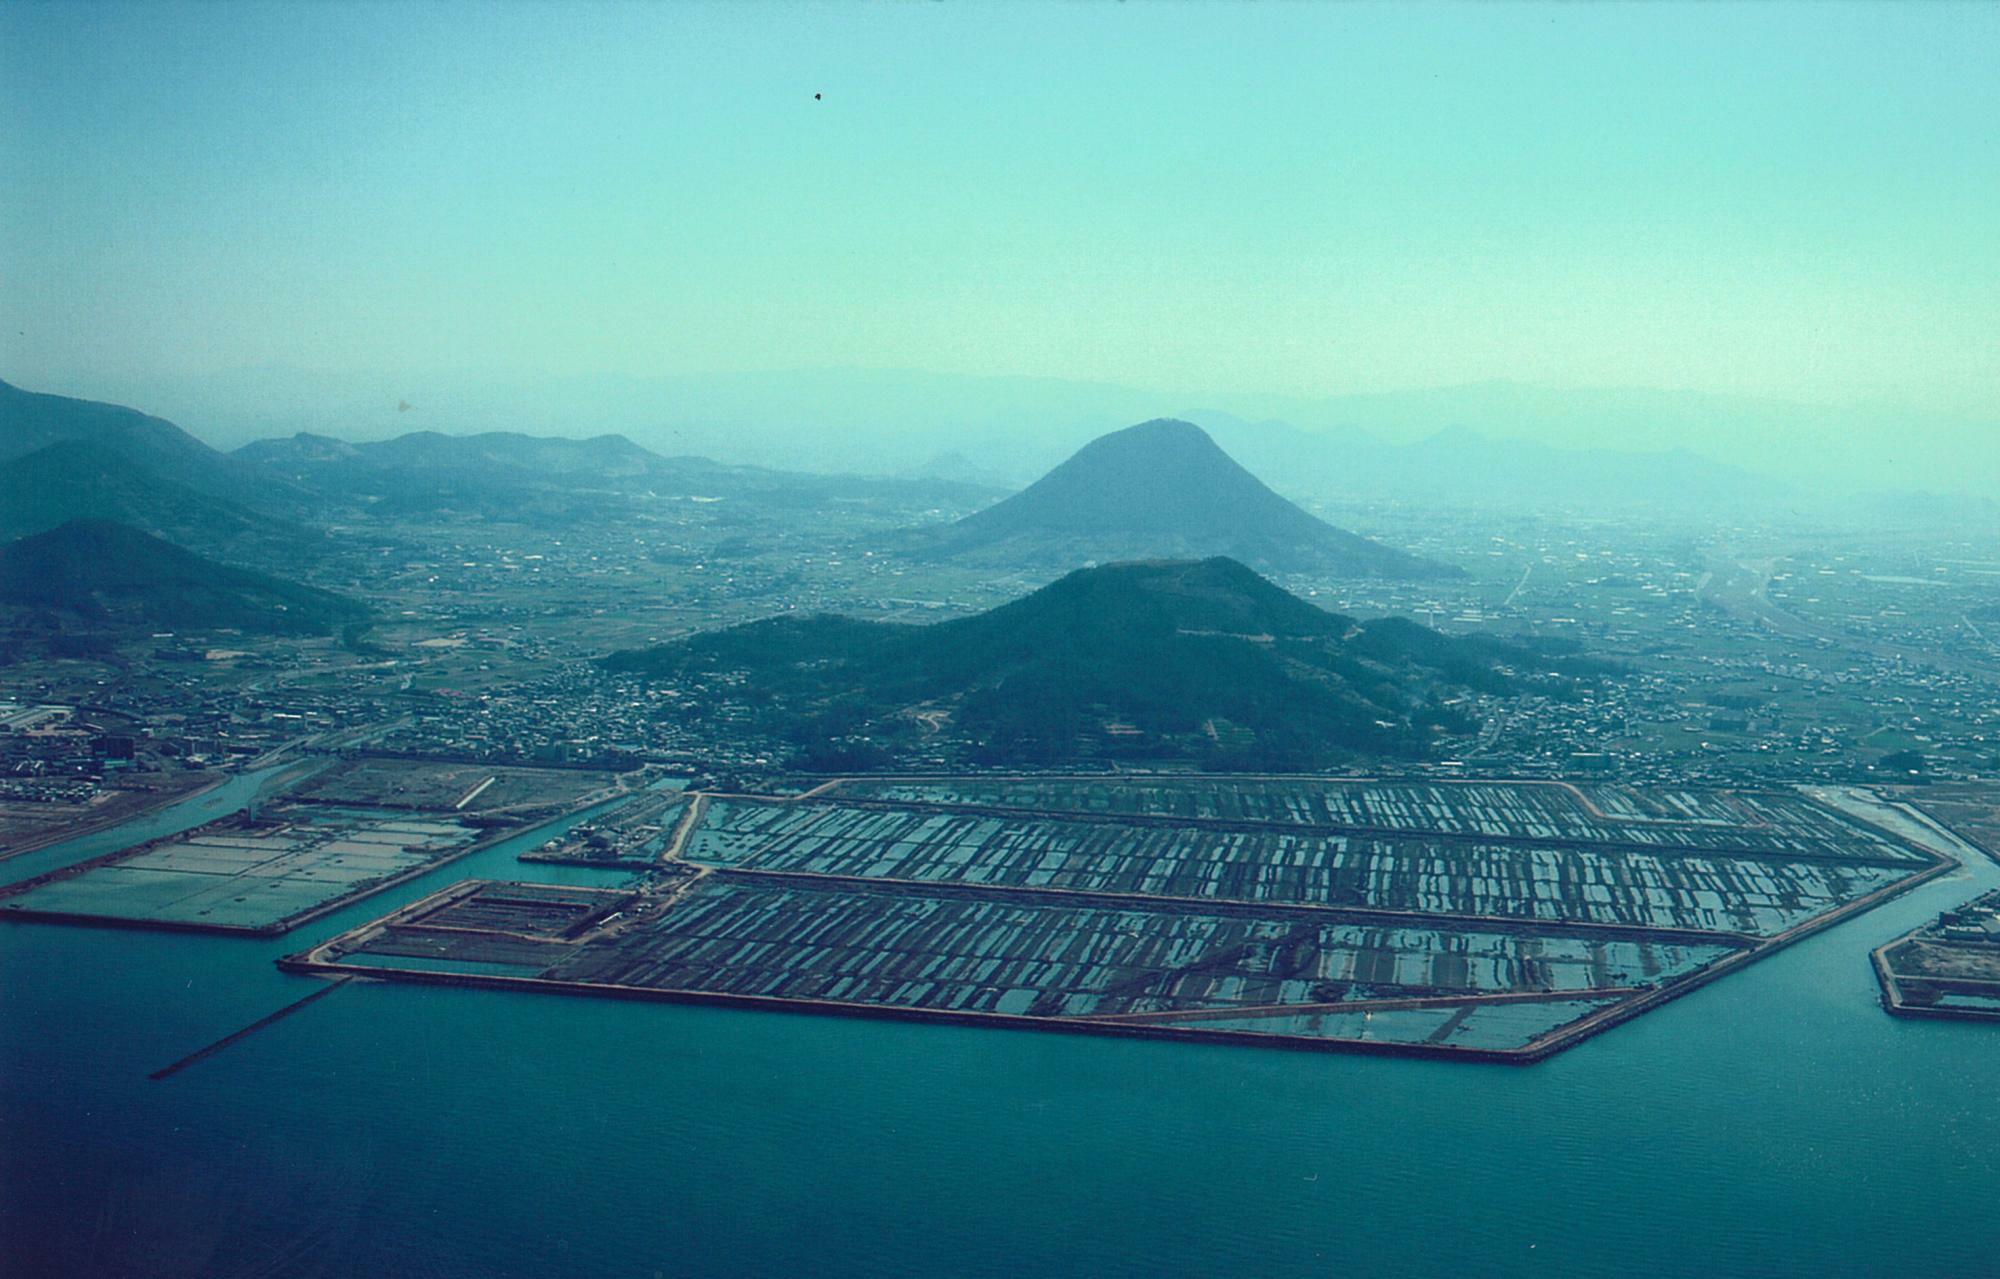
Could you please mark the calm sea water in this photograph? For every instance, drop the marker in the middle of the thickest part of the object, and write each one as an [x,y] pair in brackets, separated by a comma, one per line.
[1774,1123]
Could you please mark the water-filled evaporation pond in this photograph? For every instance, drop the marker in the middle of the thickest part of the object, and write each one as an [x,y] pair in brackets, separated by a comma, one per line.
[172,819]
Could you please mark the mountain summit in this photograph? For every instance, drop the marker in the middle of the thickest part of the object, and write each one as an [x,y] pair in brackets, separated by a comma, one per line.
[1201,660]
[1164,489]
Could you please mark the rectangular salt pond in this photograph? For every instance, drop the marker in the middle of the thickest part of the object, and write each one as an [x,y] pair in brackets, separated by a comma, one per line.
[1485,919]
[966,951]
[914,953]
[1762,822]
[1757,895]
[248,877]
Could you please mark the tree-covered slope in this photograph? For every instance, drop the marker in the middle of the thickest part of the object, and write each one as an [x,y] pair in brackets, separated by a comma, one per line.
[31,421]
[1193,659]
[112,575]
[82,479]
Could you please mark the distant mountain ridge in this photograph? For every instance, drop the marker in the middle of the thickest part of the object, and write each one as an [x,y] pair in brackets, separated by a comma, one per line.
[1179,659]
[510,473]
[1511,445]
[31,421]
[1164,489]
[1016,427]
[607,457]
[111,574]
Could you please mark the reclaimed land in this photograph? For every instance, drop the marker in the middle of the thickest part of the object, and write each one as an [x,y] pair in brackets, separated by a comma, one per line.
[269,870]
[1474,921]
[240,874]
[1947,968]
[441,786]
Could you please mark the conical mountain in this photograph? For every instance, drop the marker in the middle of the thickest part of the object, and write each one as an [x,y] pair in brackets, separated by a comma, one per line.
[1164,489]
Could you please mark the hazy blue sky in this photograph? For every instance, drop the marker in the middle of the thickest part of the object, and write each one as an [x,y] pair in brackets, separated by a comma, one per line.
[1775,201]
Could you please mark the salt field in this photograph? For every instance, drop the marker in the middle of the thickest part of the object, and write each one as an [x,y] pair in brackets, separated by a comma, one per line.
[1773,821]
[253,874]
[1754,893]
[1303,912]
